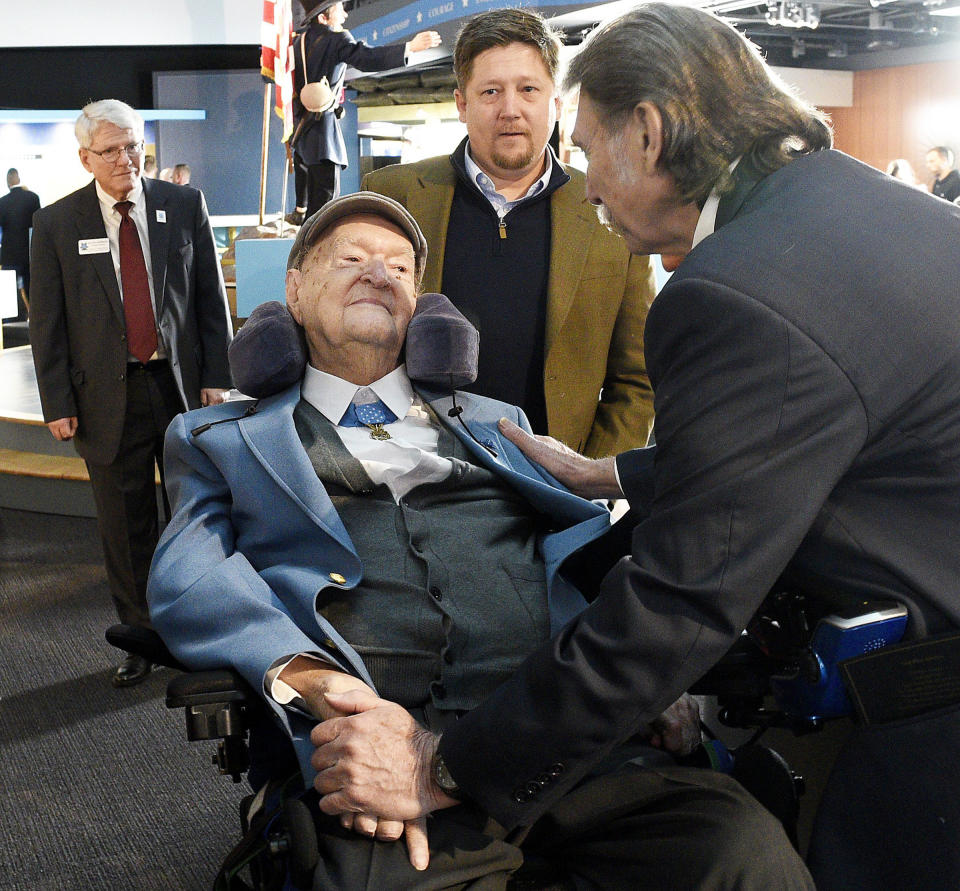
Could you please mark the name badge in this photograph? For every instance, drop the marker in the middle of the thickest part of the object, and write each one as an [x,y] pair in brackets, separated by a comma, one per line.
[161,216]
[93,246]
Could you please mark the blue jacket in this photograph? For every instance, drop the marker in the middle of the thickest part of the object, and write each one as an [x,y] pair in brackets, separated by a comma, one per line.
[254,537]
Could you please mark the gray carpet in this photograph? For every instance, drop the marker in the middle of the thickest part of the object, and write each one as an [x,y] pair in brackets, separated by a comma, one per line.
[99,789]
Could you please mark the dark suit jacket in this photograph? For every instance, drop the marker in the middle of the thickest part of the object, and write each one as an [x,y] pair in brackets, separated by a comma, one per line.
[254,537]
[317,137]
[806,365]
[77,327]
[597,299]
[16,211]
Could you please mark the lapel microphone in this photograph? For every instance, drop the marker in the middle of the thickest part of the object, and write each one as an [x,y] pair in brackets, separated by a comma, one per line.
[203,428]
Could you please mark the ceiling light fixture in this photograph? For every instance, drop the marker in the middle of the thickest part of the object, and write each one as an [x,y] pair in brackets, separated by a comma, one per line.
[791,14]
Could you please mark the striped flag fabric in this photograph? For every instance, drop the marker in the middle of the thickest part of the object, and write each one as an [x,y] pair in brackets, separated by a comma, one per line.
[276,57]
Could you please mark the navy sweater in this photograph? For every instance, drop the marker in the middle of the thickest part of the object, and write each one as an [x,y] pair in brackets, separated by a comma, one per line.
[500,284]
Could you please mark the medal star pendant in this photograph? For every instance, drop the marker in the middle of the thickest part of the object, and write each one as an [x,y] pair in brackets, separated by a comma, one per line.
[377,432]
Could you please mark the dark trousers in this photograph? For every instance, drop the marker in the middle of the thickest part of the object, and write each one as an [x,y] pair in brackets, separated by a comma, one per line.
[671,828]
[315,184]
[125,491]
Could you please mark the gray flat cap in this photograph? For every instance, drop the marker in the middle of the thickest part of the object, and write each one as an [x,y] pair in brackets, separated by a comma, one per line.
[348,205]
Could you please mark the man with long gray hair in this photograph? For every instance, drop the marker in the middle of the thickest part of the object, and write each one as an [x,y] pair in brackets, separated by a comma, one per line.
[807,377]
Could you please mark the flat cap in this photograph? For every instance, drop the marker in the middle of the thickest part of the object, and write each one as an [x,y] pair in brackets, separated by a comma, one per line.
[348,205]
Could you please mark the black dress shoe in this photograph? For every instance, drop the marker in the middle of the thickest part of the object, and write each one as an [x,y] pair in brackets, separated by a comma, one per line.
[131,671]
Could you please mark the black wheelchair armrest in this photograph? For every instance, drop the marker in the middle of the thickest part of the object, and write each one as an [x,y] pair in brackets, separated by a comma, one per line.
[143,642]
[215,703]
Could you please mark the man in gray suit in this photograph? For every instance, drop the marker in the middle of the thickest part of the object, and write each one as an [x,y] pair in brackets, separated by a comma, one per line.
[129,326]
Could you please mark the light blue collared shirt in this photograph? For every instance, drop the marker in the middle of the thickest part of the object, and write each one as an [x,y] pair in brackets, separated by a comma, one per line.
[497,201]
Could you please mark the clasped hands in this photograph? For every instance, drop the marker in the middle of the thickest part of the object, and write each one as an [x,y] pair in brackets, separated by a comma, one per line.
[373,771]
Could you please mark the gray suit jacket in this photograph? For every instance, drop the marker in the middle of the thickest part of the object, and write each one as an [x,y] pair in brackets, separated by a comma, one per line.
[77,327]
[807,376]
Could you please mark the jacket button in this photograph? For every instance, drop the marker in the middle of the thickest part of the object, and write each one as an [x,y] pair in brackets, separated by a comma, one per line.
[556,769]
[436,593]
[532,790]
[544,779]
[336,577]
[520,795]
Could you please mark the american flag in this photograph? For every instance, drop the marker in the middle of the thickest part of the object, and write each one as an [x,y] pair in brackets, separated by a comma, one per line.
[276,57]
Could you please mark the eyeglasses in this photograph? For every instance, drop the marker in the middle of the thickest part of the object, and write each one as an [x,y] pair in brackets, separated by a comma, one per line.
[111,156]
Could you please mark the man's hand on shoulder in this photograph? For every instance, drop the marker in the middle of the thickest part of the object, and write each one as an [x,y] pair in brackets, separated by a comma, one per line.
[586,477]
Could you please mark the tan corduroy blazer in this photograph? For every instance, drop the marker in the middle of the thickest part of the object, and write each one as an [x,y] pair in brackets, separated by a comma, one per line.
[598,397]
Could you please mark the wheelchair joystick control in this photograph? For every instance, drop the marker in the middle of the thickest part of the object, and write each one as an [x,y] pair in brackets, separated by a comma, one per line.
[815,688]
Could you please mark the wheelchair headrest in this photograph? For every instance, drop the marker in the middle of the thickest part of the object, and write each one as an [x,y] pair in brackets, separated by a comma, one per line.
[269,352]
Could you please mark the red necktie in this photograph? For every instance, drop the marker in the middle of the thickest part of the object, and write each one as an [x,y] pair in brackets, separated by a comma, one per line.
[137,309]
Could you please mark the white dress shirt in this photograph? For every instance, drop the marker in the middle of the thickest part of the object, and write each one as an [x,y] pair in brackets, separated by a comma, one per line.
[111,221]
[406,460]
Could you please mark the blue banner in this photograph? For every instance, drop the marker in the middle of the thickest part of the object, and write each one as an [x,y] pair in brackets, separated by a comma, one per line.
[425,15]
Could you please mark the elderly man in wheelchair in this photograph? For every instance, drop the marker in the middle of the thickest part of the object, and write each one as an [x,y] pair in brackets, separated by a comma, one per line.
[367,528]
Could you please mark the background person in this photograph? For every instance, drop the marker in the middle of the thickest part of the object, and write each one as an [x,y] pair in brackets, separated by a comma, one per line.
[559,301]
[129,325]
[322,48]
[902,169]
[17,208]
[180,175]
[807,375]
[946,182]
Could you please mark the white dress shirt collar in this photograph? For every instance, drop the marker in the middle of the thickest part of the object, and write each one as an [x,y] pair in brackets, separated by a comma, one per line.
[707,222]
[475,173]
[331,395]
[135,196]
